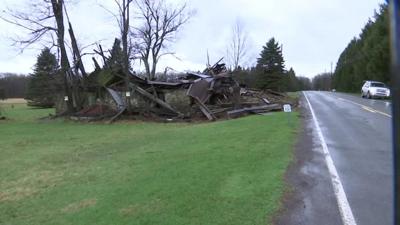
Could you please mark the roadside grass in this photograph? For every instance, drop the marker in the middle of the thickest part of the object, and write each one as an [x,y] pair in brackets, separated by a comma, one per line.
[58,172]
[294,95]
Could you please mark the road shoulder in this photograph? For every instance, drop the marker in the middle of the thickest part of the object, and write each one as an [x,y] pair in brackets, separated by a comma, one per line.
[309,198]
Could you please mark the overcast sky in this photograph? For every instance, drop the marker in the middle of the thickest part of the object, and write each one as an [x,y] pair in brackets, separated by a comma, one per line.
[313,32]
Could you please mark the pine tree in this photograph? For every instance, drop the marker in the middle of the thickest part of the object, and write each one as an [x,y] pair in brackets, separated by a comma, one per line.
[271,59]
[116,60]
[271,67]
[42,84]
[291,82]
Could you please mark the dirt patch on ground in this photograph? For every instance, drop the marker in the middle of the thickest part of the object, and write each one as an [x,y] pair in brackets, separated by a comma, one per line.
[29,185]
[17,193]
[13,101]
[77,206]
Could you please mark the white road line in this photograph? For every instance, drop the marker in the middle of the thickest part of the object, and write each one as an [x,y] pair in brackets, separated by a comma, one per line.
[344,207]
[368,109]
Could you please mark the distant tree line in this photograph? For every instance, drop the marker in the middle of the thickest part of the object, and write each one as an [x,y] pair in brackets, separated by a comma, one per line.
[366,57]
[250,77]
[13,85]
[322,82]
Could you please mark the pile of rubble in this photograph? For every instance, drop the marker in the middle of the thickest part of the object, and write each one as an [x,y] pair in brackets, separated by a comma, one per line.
[212,94]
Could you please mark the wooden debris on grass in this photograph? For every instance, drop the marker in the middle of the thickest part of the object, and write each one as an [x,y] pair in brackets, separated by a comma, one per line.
[213,94]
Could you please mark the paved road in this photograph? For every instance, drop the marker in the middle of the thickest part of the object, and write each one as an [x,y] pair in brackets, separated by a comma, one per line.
[358,135]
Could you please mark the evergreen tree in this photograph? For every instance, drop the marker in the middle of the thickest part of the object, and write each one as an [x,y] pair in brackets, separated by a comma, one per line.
[116,60]
[322,82]
[42,84]
[291,82]
[271,59]
[271,67]
[366,57]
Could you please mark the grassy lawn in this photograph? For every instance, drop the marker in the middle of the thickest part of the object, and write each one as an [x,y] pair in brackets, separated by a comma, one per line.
[57,172]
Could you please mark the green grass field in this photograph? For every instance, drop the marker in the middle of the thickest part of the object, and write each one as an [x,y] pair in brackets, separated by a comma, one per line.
[60,172]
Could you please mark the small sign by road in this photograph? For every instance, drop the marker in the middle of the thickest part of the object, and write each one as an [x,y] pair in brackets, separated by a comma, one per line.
[287,108]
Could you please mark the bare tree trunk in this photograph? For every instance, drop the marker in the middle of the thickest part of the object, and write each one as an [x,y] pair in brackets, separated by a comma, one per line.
[153,68]
[124,35]
[65,65]
[147,68]
[78,65]
[76,51]
[125,50]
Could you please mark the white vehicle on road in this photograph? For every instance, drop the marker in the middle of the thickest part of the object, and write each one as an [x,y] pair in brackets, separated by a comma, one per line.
[375,89]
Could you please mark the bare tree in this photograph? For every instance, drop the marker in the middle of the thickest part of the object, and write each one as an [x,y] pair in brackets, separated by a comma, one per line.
[45,23]
[44,20]
[237,47]
[76,51]
[123,19]
[58,14]
[159,25]
[38,23]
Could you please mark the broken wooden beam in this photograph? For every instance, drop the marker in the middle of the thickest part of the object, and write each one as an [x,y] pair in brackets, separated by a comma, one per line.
[221,110]
[206,111]
[266,101]
[160,102]
[76,51]
[255,109]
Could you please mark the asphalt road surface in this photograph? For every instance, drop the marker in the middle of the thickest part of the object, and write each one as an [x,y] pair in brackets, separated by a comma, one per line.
[358,136]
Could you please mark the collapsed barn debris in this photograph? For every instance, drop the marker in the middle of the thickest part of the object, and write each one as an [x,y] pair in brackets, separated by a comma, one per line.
[212,94]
